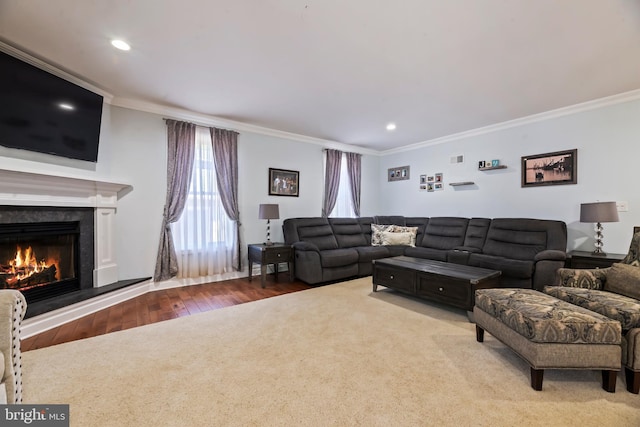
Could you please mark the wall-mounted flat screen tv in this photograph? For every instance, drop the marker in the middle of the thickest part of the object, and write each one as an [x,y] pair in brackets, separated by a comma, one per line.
[45,113]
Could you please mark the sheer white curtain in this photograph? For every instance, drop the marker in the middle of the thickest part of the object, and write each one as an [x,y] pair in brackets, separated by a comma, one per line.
[205,238]
[344,202]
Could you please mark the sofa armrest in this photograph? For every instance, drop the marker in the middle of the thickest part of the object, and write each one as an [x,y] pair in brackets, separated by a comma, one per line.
[305,246]
[582,278]
[550,255]
[13,307]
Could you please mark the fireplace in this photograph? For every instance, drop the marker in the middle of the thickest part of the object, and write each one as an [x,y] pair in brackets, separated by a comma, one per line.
[39,259]
[46,251]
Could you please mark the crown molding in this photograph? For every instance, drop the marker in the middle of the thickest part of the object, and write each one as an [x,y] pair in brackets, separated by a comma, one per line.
[620,98]
[38,63]
[207,120]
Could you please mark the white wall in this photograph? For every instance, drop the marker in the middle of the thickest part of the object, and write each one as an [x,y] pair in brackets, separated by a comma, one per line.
[608,152]
[133,151]
[136,153]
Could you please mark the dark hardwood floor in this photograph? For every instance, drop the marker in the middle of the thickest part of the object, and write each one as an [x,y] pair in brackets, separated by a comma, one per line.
[163,305]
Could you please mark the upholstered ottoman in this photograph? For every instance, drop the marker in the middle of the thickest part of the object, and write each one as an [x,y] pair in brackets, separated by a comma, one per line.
[631,359]
[549,333]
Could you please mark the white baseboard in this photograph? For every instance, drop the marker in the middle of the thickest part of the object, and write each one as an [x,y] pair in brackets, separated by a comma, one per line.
[52,319]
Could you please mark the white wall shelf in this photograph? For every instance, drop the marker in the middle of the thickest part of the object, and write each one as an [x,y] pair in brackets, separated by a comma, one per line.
[457,184]
[490,168]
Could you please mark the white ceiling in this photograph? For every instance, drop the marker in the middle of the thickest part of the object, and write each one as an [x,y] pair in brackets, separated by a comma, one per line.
[340,70]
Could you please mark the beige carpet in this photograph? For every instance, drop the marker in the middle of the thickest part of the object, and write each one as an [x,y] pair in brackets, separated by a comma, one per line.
[337,355]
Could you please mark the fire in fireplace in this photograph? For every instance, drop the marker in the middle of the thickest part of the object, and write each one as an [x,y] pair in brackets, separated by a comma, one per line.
[39,259]
[26,270]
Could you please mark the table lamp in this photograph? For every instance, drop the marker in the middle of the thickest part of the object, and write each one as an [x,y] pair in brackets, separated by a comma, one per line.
[269,212]
[599,212]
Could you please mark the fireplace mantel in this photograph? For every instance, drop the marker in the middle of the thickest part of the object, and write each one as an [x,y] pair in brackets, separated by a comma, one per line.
[23,188]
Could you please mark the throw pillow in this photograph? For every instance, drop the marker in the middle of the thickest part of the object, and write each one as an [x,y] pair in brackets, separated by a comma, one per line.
[403,229]
[397,238]
[376,233]
[623,279]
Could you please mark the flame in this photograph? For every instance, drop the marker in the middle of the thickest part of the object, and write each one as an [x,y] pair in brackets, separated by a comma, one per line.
[26,264]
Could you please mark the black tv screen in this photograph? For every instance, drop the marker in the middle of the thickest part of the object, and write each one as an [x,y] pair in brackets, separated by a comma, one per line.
[45,113]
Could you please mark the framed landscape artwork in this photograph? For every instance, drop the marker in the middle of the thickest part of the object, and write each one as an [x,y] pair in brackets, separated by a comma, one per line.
[283,182]
[557,168]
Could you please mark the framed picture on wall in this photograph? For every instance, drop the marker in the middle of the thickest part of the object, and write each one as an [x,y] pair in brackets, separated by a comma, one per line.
[398,174]
[557,168]
[283,182]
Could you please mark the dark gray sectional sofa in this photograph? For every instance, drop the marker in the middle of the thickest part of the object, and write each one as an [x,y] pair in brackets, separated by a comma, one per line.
[527,251]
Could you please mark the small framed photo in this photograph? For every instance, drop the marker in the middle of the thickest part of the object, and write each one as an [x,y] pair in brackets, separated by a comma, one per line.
[423,187]
[439,177]
[430,187]
[438,186]
[430,178]
[423,179]
[283,182]
[398,174]
[481,164]
[557,168]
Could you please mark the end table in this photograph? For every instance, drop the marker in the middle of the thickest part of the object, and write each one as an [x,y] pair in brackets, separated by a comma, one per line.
[583,259]
[270,254]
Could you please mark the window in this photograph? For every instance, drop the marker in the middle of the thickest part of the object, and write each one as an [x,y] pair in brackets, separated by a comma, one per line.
[204,236]
[344,202]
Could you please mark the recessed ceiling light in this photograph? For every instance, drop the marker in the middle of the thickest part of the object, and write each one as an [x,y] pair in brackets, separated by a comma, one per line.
[66,106]
[391,126]
[120,44]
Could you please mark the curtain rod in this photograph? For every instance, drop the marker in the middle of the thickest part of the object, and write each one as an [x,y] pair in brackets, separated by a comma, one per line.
[350,152]
[200,124]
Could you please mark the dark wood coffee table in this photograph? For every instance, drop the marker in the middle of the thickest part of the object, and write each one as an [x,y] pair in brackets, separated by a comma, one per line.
[444,282]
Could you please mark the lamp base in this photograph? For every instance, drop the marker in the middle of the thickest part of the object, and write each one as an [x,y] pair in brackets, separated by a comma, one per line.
[268,243]
[599,244]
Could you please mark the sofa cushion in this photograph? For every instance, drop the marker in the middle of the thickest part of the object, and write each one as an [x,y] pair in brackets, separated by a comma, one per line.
[623,279]
[522,238]
[369,253]
[313,230]
[581,278]
[365,225]
[516,268]
[444,233]
[427,253]
[419,222]
[476,234]
[338,257]
[545,319]
[348,232]
[389,219]
[618,307]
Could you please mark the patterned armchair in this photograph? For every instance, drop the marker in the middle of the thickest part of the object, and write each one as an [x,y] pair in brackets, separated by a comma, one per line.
[12,310]
[613,292]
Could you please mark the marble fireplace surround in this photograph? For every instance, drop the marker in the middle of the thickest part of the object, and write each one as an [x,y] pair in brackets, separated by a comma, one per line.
[20,188]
